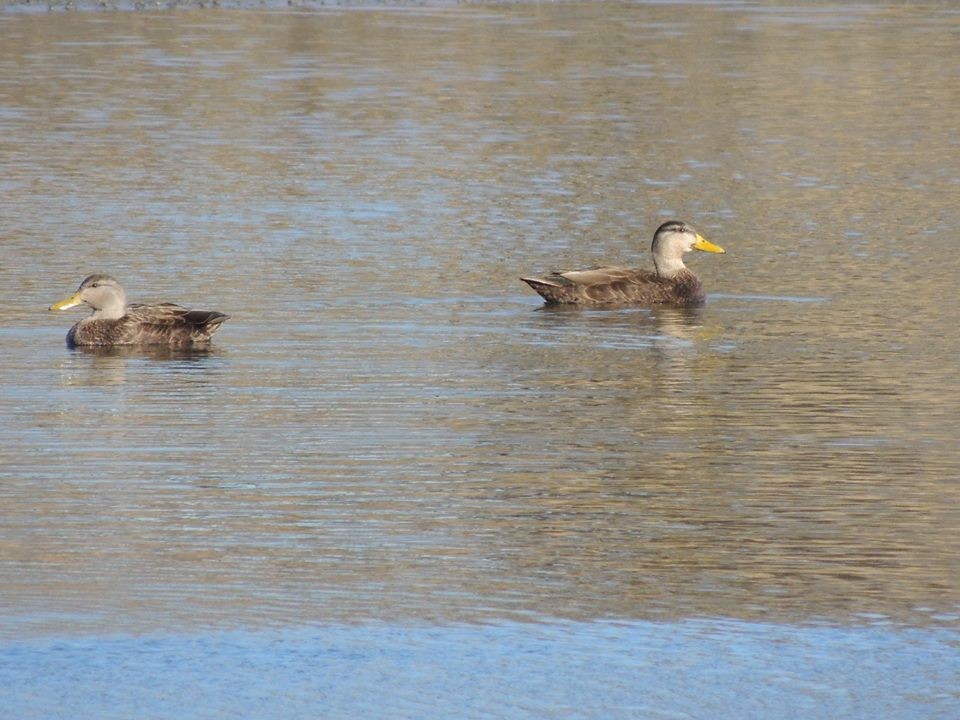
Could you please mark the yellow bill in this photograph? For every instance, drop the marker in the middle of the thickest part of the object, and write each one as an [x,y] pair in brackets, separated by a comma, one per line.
[70,302]
[703,244]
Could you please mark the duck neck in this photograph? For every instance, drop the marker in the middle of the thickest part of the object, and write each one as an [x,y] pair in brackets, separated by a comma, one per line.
[115,309]
[668,267]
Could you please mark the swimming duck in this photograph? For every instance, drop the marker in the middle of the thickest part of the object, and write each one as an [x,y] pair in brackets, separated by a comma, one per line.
[113,322]
[670,283]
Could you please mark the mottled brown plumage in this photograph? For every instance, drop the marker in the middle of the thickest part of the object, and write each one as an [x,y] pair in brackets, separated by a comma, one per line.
[670,283]
[113,322]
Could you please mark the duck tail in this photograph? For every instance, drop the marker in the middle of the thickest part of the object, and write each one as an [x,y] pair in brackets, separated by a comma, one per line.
[206,321]
[549,290]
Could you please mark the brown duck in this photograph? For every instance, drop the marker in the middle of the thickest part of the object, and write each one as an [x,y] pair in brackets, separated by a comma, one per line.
[113,322]
[670,283]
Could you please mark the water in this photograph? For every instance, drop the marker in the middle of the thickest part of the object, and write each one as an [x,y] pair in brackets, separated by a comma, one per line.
[394,464]
[623,670]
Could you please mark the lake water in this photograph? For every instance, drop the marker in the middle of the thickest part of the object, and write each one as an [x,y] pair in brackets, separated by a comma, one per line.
[397,485]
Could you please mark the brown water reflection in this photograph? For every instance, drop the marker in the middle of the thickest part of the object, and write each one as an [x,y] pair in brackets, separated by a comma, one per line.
[391,426]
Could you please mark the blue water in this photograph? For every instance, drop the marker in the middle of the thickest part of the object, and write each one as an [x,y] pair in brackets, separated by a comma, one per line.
[694,669]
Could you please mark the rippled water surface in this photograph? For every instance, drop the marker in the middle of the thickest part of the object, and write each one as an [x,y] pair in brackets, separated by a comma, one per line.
[394,465]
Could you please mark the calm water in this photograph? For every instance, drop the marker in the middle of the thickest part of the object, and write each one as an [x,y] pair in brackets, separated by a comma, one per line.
[395,468]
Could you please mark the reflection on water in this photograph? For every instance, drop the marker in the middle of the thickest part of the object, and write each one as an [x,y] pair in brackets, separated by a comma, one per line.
[92,366]
[143,352]
[392,427]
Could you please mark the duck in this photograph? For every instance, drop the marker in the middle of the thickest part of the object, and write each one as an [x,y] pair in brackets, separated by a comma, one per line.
[669,283]
[113,322]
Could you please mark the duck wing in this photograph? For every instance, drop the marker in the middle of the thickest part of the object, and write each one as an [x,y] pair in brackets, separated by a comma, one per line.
[170,324]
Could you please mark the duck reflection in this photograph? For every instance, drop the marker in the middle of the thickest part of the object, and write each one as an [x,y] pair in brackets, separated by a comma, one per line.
[618,327]
[147,352]
[101,366]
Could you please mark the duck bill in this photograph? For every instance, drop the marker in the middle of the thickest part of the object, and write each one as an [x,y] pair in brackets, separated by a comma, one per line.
[70,302]
[703,244]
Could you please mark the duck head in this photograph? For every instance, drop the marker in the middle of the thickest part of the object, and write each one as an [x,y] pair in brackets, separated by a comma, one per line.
[100,292]
[672,241]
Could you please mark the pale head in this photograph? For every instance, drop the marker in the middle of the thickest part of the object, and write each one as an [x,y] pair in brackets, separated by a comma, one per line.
[100,292]
[672,241]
